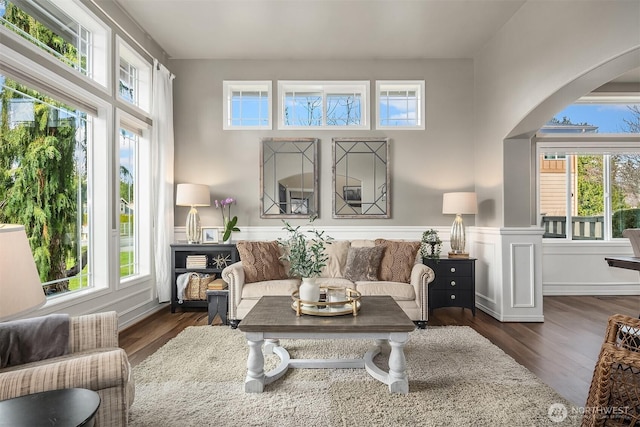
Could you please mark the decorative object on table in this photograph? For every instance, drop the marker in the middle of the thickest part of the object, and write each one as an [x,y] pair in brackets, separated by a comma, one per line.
[220,261]
[20,285]
[228,222]
[306,257]
[430,245]
[348,302]
[210,235]
[459,203]
[193,195]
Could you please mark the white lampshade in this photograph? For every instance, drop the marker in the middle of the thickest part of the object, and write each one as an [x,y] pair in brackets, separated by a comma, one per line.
[193,195]
[459,203]
[20,287]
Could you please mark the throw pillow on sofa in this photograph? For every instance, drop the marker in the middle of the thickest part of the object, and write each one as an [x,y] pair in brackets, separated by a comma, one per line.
[363,263]
[398,260]
[261,261]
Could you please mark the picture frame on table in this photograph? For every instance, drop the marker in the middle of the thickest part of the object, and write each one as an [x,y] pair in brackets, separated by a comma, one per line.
[209,235]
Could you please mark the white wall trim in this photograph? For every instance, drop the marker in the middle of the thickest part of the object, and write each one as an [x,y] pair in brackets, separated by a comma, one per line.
[522,279]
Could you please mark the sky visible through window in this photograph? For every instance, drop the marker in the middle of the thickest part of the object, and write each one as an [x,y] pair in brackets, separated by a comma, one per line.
[609,118]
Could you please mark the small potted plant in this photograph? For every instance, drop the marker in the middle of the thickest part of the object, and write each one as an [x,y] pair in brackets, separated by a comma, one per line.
[430,245]
[305,253]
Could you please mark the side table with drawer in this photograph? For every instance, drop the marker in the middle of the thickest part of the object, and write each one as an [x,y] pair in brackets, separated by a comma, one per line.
[455,283]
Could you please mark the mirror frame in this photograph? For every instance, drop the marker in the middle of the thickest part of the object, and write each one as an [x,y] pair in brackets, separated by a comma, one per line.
[335,143]
[314,142]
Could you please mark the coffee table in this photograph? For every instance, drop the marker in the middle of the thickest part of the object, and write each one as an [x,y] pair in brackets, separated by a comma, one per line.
[272,318]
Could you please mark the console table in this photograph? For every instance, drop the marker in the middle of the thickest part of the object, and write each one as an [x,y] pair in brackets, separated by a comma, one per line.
[218,257]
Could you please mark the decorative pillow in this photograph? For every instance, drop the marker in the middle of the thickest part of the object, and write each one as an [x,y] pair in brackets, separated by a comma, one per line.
[363,263]
[398,260]
[336,252]
[261,261]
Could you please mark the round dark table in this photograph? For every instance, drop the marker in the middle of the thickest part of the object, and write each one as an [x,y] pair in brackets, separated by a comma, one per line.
[67,407]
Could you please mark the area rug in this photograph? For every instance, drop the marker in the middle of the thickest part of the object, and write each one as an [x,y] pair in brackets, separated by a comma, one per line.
[456,378]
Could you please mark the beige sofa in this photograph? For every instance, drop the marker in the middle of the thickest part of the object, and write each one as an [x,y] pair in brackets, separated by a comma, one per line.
[93,361]
[411,294]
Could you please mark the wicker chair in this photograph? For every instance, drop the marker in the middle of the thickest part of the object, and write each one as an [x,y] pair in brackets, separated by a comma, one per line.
[614,395]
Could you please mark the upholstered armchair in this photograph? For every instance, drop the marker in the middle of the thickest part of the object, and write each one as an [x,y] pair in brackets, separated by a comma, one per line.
[93,361]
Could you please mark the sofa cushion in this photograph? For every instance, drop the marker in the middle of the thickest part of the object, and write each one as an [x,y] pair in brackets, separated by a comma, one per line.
[261,261]
[336,252]
[398,260]
[256,290]
[363,263]
[398,291]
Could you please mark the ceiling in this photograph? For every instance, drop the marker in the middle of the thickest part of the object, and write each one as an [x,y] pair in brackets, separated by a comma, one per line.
[321,29]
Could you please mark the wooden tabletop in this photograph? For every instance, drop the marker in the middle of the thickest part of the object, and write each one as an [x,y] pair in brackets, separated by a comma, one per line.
[629,262]
[377,314]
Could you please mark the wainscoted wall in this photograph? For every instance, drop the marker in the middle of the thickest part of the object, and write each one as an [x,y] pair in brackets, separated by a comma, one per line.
[579,268]
[514,267]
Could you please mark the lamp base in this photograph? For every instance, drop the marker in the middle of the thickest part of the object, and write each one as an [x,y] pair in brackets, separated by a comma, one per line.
[193,229]
[458,255]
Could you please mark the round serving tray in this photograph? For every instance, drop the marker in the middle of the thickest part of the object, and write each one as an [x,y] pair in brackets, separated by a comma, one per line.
[325,308]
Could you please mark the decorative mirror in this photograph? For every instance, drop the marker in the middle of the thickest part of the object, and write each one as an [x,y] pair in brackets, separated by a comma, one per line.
[361,178]
[288,177]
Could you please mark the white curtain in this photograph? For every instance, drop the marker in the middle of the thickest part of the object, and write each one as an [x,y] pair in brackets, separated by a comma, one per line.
[162,140]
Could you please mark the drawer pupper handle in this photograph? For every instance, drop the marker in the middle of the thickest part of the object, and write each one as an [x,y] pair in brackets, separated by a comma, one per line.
[453,297]
[453,269]
[453,283]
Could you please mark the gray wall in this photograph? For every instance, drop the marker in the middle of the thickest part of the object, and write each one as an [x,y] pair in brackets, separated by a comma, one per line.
[424,164]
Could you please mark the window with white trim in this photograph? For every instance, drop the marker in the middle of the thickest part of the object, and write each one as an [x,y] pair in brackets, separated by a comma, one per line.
[58,142]
[593,185]
[246,105]
[133,206]
[400,104]
[588,169]
[323,105]
[134,77]
[67,31]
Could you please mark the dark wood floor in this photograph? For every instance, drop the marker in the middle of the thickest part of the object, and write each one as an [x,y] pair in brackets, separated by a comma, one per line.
[562,351]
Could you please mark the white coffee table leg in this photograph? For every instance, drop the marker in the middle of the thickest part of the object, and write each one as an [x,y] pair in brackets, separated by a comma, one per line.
[254,382]
[398,380]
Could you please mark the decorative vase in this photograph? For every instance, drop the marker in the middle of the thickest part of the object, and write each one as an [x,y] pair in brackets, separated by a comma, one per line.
[309,290]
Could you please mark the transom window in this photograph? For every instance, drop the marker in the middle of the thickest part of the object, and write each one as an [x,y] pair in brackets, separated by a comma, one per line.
[400,104]
[134,82]
[247,105]
[65,30]
[308,104]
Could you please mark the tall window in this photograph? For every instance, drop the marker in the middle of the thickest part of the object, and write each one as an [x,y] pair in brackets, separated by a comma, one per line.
[134,197]
[400,104]
[44,182]
[58,155]
[65,30]
[247,105]
[589,183]
[304,105]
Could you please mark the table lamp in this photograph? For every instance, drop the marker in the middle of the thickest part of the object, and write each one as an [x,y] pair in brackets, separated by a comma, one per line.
[20,287]
[459,203]
[193,195]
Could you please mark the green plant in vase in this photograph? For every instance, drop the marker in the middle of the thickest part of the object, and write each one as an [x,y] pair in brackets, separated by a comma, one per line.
[430,245]
[228,222]
[304,251]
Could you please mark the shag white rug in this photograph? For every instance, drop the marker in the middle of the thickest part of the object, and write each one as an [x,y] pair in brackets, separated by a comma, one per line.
[456,378]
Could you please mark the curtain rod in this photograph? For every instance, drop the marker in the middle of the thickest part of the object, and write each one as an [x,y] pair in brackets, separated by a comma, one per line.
[114,22]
